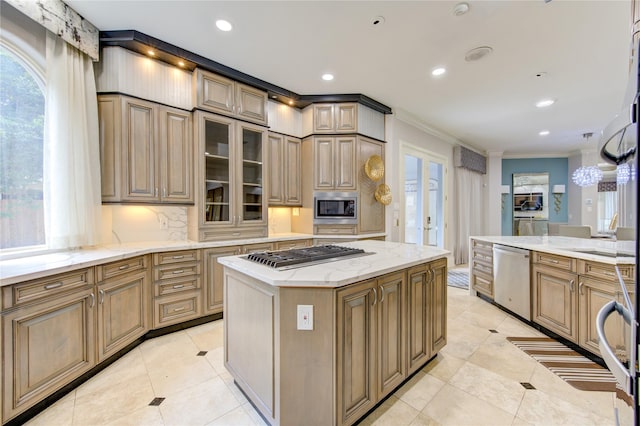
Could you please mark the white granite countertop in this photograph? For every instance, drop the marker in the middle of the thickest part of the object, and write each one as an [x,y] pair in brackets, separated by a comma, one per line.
[386,257]
[606,251]
[27,268]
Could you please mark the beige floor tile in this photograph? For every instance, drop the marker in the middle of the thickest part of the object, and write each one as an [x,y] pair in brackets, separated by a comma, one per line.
[253,414]
[146,416]
[181,375]
[513,327]
[108,405]
[207,336]
[215,358]
[165,351]
[198,405]
[392,412]
[463,339]
[539,408]
[490,387]
[452,406]
[504,358]
[59,414]
[129,367]
[418,391]
[423,420]
[236,417]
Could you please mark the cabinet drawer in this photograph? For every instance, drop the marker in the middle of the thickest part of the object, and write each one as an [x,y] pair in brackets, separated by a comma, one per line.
[335,229]
[34,290]
[482,268]
[176,286]
[605,271]
[481,246]
[186,269]
[231,234]
[255,248]
[114,269]
[482,285]
[560,262]
[483,256]
[285,245]
[177,308]
[175,257]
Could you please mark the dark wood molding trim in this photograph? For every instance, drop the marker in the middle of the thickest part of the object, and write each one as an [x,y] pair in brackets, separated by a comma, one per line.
[141,43]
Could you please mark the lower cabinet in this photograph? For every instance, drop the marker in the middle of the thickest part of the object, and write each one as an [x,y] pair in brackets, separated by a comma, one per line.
[426,309]
[123,304]
[45,346]
[214,276]
[555,300]
[481,260]
[177,295]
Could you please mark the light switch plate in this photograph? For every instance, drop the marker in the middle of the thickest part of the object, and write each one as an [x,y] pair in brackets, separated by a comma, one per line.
[305,317]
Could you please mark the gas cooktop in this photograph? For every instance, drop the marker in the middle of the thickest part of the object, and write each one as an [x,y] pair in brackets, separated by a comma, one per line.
[299,257]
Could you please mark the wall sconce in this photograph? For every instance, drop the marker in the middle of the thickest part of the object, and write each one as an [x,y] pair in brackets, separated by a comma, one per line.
[504,190]
[557,190]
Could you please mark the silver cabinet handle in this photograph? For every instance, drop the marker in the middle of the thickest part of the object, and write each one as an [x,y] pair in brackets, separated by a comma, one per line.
[375,296]
[156,192]
[179,271]
[178,257]
[381,294]
[178,286]
[101,293]
[164,192]
[571,284]
[93,300]
[123,267]
[581,288]
[179,309]
[52,286]
[553,261]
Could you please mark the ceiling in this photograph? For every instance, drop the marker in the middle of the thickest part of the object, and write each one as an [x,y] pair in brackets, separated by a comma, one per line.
[581,48]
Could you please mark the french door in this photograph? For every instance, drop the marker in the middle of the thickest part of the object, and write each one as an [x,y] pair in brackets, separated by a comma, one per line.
[424,199]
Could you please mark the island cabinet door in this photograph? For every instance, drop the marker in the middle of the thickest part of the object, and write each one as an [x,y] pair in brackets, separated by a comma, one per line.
[214,277]
[555,300]
[356,351]
[391,340]
[418,316]
[438,305]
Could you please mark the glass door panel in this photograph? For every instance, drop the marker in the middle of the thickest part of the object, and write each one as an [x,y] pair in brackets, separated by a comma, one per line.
[436,196]
[217,172]
[413,200]
[252,175]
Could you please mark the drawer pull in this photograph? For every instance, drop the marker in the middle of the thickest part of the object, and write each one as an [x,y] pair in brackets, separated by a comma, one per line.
[178,286]
[181,308]
[179,257]
[179,271]
[123,267]
[93,300]
[571,284]
[101,293]
[235,234]
[611,274]
[553,261]
[52,286]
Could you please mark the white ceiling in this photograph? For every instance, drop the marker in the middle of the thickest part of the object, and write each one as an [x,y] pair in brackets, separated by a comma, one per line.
[582,46]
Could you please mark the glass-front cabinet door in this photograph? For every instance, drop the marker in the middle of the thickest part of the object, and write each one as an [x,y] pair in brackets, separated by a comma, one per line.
[252,199]
[218,170]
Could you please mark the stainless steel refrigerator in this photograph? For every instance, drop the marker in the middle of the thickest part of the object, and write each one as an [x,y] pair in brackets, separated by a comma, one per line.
[618,146]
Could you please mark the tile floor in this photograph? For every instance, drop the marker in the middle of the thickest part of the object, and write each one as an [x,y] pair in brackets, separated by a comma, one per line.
[475,380]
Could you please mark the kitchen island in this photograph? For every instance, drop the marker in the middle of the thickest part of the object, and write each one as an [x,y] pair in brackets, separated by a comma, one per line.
[323,344]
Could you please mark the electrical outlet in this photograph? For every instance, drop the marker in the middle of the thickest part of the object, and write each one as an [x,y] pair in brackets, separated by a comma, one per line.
[305,317]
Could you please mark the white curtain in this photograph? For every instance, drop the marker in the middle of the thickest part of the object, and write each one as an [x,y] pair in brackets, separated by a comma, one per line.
[471,210]
[72,191]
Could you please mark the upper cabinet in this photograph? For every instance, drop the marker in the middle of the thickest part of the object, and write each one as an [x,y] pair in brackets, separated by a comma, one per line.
[285,186]
[146,151]
[334,161]
[230,175]
[215,93]
[335,118]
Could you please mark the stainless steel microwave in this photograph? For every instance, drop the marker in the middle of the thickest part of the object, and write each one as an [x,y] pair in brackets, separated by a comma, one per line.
[335,208]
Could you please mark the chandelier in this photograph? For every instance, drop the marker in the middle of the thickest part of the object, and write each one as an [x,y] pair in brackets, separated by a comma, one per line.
[624,173]
[587,176]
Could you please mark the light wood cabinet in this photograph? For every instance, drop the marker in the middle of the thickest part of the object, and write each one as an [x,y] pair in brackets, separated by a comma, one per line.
[230,159]
[46,344]
[146,151]
[285,170]
[371,343]
[213,277]
[123,293]
[177,287]
[426,310]
[334,161]
[222,95]
[555,300]
[335,118]
[292,244]
[481,255]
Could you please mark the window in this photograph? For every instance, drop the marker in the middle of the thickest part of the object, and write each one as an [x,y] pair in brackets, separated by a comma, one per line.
[21,153]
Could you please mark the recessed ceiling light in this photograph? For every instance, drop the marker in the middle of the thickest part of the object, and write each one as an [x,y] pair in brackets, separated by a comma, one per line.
[461,9]
[150,52]
[543,133]
[290,102]
[223,25]
[545,103]
[181,63]
[438,71]
[327,77]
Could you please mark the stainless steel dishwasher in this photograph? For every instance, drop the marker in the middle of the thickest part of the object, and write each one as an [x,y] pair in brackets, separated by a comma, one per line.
[511,279]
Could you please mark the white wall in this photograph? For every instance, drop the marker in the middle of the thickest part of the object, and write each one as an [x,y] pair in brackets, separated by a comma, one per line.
[493,184]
